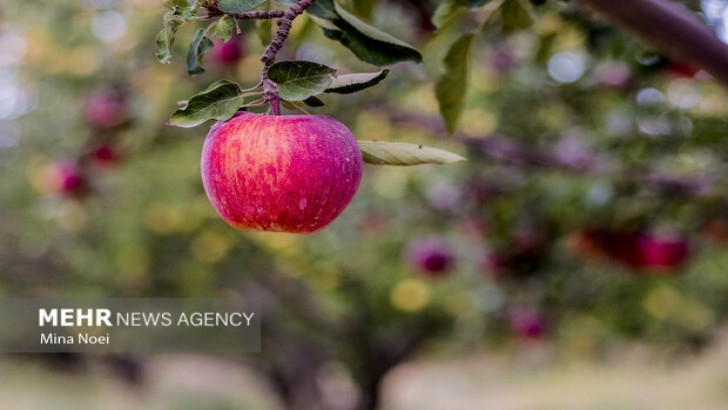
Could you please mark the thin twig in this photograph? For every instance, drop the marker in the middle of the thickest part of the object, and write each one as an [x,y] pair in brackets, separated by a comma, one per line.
[257,15]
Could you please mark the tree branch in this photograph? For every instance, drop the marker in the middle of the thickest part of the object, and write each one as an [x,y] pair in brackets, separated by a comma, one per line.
[270,89]
[671,28]
[257,15]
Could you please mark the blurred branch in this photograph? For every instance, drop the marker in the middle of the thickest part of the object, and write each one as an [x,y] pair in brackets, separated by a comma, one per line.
[518,154]
[671,28]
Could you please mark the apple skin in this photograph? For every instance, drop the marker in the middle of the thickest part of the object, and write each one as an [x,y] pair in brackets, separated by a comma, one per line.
[430,255]
[280,173]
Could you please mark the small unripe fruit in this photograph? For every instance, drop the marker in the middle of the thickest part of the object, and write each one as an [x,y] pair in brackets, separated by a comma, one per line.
[430,255]
[226,53]
[291,173]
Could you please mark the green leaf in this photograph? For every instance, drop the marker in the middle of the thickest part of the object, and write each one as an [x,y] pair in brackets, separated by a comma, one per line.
[164,42]
[186,12]
[176,3]
[199,45]
[516,14]
[351,83]
[222,29]
[313,102]
[172,21]
[452,86]
[298,80]
[369,44]
[263,28]
[219,102]
[238,6]
[399,153]
[447,10]
[324,9]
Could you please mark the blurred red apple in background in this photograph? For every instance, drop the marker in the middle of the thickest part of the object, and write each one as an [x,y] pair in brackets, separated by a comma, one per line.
[661,251]
[282,173]
[430,255]
[64,177]
[105,108]
[527,323]
[681,69]
[104,155]
[226,53]
[636,249]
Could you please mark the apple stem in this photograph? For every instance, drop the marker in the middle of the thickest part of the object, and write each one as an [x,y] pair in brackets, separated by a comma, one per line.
[270,89]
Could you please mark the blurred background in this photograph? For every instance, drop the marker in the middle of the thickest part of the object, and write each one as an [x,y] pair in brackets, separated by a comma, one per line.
[577,260]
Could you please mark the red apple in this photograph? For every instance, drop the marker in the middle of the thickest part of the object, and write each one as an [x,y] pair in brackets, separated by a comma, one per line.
[290,173]
[681,69]
[63,177]
[226,53]
[661,252]
[636,249]
[104,155]
[105,108]
[527,323]
[430,255]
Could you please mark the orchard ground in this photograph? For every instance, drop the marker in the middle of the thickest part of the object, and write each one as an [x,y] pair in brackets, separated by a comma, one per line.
[529,378]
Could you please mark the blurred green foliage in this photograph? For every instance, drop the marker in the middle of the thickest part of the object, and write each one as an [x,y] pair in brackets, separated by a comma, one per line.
[615,114]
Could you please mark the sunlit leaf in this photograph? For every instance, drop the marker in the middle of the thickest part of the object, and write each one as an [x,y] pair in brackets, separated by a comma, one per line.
[399,153]
[446,10]
[172,21]
[351,83]
[222,29]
